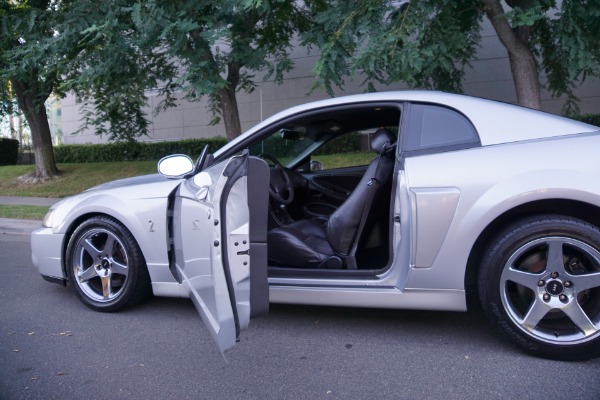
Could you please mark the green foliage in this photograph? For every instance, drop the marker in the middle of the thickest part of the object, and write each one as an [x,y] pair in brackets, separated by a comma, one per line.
[567,47]
[24,25]
[592,119]
[110,53]
[133,151]
[109,71]
[425,43]
[216,46]
[9,151]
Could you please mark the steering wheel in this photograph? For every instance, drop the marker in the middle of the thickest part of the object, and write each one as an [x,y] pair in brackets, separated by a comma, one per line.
[281,188]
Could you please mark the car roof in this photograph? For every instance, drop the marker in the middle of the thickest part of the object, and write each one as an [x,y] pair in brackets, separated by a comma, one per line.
[496,122]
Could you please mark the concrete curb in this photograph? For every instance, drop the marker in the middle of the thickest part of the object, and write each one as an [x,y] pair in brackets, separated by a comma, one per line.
[10,226]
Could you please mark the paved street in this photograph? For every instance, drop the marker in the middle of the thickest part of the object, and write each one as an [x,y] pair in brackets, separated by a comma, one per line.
[51,346]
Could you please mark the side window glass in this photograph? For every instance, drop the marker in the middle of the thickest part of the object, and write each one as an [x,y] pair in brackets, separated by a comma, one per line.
[434,127]
[349,150]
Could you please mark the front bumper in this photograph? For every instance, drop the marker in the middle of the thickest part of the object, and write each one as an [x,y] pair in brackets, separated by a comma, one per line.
[46,253]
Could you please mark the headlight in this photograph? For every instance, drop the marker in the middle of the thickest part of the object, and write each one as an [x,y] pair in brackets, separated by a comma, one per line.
[47,221]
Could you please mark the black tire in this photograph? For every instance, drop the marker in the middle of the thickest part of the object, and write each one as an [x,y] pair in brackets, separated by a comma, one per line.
[548,308]
[106,266]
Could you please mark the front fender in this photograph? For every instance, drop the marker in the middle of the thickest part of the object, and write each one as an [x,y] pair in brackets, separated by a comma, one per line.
[144,217]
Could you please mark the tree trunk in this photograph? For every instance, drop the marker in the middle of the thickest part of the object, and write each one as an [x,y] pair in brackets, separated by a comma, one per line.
[228,102]
[522,61]
[229,111]
[11,121]
[31,103]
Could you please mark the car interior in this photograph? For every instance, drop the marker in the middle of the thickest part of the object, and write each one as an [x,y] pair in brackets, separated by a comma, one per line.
[330,190]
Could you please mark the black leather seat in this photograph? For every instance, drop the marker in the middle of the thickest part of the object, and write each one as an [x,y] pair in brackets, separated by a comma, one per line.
[332,243]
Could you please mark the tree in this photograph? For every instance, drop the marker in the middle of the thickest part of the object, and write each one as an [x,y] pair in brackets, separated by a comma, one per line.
[27,78]
[109,69]
[110,53]
[217,47]
[51,47]
[428,43]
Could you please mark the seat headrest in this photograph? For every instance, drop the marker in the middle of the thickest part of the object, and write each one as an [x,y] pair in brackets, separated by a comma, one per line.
[380,138]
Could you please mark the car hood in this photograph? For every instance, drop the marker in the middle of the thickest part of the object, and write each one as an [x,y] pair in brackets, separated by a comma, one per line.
[123,199]
[138,187]
[134,181]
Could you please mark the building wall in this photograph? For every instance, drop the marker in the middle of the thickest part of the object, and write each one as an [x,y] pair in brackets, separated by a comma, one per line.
[489,76]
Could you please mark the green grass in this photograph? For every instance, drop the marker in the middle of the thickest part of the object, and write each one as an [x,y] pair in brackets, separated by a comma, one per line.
[73,179]
[345,160]
[22,212]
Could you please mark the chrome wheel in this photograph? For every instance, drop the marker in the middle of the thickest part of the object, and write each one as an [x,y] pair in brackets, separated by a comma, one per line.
[550,289]
[106,266]
[539,285]
[100,265]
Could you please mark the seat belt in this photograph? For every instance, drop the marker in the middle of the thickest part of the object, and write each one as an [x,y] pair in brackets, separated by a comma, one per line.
[350,259]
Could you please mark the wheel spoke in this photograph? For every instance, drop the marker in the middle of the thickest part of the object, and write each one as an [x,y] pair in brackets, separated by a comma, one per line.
[109,245]
[90,248]
[555,261]
[86,275]
[579,318]
[118,268]
[523,278]
[537,311]
[587,281]
[106,289]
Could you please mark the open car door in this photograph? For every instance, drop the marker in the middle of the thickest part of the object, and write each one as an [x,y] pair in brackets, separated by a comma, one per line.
[220,242]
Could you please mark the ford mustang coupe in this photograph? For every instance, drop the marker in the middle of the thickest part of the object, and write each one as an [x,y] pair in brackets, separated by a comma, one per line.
[441,197]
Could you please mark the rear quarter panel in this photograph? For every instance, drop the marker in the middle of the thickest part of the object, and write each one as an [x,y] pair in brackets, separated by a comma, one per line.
[486,182]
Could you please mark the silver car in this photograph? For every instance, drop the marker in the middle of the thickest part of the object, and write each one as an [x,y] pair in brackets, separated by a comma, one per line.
[442,199]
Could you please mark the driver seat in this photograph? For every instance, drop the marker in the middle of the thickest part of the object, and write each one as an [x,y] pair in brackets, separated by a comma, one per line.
[332,243]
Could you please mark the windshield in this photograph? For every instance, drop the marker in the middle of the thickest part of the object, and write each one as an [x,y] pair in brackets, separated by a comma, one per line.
[285,144]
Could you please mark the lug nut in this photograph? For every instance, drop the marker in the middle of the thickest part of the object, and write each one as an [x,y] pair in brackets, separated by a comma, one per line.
[568,284]
[554,275]
[546,297]
[541,282]
[562,298]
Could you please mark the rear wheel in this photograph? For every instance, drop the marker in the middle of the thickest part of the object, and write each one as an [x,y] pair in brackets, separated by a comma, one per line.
[540,286]
[106,265]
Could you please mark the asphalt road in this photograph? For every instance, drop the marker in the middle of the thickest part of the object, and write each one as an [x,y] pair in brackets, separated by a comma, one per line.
[51,346]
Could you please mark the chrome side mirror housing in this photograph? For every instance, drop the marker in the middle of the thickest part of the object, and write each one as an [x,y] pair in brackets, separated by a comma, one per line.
[175,166]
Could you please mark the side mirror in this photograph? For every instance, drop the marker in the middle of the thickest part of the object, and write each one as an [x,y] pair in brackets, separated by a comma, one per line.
[175,166]
[316,165]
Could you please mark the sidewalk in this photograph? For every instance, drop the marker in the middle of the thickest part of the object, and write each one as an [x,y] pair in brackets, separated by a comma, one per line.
[28,201]
[22,226]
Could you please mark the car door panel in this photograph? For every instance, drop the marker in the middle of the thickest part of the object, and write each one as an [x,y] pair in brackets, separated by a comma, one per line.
[212,247]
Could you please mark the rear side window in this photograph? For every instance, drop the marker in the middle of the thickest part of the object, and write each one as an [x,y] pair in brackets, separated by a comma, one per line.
[434,128]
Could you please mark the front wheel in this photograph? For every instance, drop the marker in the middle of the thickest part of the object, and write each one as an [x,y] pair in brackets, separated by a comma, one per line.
[106,266]
[539,284]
